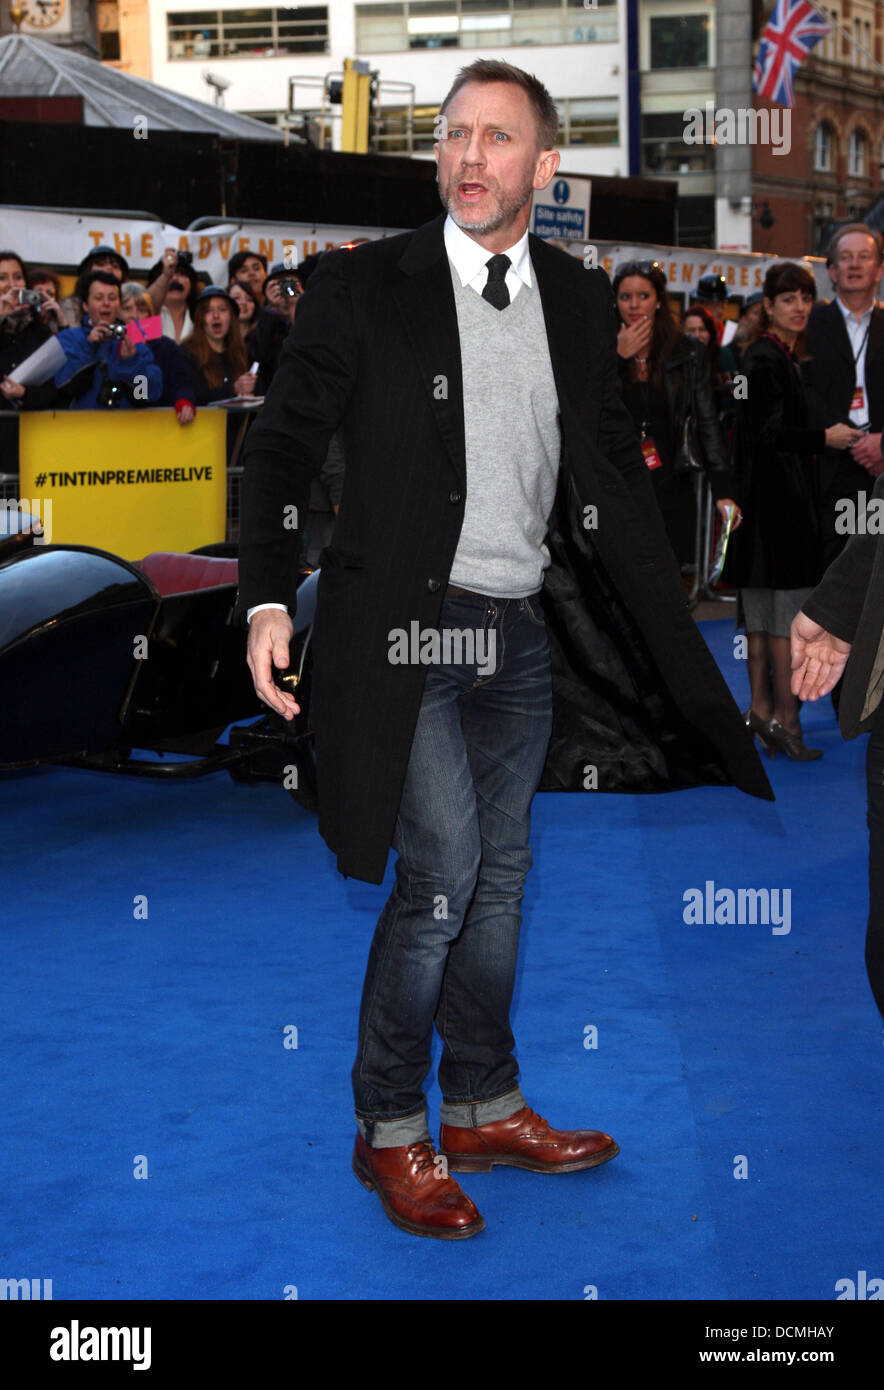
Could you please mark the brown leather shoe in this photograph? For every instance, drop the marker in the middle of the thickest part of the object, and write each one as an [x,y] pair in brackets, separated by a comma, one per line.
[415,1191]
[524,1140]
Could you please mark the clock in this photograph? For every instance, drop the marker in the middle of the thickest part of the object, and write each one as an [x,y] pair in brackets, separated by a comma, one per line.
[42,14]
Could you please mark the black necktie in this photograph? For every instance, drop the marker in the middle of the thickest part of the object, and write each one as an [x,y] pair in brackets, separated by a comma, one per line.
[496,291]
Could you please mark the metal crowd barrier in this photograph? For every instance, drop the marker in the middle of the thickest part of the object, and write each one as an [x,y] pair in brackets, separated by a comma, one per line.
[234,486]
[704,545]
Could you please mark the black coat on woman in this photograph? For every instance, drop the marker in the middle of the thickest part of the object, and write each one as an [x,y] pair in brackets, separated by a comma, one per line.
[687,389]
[778,545]
[206,393]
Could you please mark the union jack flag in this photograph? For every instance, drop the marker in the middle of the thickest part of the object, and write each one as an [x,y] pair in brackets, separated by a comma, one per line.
[789,35]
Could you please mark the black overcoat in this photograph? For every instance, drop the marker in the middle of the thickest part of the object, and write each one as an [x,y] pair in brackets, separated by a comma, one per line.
[374,351]
[830,377]
[849,602]
[779,544]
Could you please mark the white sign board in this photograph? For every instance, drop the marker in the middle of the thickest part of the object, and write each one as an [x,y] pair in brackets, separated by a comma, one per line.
[744,271]
[63,239]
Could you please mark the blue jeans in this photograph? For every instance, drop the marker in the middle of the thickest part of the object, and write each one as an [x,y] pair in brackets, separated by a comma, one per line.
[446,943]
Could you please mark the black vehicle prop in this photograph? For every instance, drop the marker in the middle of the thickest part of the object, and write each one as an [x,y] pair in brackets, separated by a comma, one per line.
[100,657]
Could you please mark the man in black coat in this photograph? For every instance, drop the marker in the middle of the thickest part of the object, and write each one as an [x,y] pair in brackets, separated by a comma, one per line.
[842,626]
[844,374]
[496,500]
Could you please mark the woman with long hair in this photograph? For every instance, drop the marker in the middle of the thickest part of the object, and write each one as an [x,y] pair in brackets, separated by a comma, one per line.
[217,355]
[777,559]
[216,350]
[665,379]
[249,308]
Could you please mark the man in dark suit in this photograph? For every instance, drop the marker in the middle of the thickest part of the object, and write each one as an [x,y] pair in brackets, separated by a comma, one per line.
[498,570]
[841,631]
[844,374]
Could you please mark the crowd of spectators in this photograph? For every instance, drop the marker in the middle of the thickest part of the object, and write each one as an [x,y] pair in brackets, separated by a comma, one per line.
[783,411]
[175,341]
[214,342]
[779,455]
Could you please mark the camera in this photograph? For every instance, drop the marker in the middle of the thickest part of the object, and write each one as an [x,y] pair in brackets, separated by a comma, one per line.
[117,331]
[185,259]
[289,286]
[31,297]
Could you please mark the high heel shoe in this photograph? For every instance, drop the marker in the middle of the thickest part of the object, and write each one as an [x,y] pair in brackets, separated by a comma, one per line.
[791,744]
[758,726]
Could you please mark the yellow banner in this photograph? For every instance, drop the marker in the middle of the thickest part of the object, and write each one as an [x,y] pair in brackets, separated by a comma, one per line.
[129,482]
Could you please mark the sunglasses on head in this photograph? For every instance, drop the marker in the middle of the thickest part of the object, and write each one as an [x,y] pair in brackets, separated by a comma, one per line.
[637,268]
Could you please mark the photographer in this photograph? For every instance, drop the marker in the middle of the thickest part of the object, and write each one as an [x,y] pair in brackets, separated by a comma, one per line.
[173,286]
[104,368]
[49,286]
[282,290]
[99,258]
[21,333]
[249,268]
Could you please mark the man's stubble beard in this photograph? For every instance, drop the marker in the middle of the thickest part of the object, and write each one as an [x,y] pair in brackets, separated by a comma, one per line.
[508,207]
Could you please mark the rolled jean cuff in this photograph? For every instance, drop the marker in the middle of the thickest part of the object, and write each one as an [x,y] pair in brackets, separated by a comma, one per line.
[393,1134]
[481,1112]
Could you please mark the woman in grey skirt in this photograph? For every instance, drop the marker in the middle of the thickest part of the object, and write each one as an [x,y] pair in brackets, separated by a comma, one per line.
[776,557]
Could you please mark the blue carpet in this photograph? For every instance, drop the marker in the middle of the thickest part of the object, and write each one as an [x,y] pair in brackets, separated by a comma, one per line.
[161,1041]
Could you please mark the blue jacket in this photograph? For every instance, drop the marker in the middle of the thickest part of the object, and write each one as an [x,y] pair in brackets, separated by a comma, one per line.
[80,354]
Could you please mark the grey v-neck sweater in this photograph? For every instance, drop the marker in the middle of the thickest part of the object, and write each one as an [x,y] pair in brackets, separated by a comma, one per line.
[513,443]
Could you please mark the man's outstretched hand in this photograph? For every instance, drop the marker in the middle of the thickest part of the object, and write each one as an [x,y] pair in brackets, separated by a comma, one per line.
[270,633]
[818,659]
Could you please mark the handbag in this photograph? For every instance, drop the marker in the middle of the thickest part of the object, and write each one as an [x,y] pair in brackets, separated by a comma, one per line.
[688,459]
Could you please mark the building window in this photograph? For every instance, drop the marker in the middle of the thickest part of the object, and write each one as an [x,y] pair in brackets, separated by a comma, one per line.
[680,41]
[664,150]
[582,121]
[589,121]
[822,148]
[413,24]
[247,33]
[856,154]
[107,17]
[430,25]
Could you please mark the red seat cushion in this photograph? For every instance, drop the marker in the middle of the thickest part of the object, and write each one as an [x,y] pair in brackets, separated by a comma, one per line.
[181,574]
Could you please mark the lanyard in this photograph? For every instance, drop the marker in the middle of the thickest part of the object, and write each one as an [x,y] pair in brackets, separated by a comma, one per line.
[862,347]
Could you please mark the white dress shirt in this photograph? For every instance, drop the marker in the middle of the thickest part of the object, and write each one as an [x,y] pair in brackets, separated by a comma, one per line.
[469,261]
[858,330]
